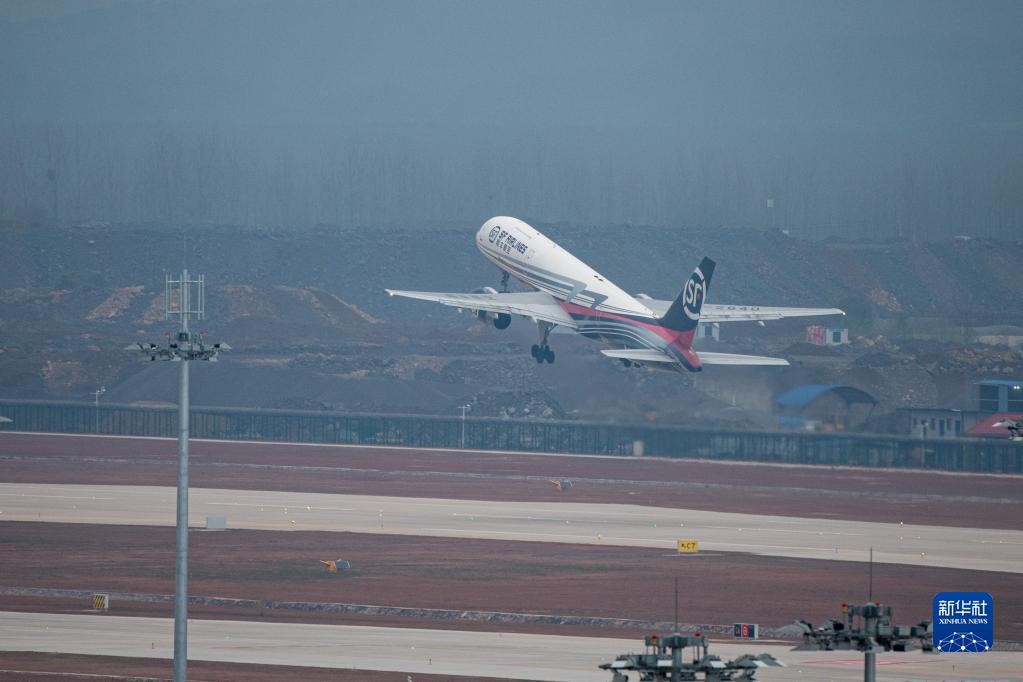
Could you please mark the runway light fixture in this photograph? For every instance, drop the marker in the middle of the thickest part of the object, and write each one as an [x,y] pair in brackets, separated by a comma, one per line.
[98,392]
[184,347]
[461,441]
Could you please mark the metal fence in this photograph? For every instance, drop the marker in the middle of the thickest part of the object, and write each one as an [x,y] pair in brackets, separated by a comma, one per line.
[982,455]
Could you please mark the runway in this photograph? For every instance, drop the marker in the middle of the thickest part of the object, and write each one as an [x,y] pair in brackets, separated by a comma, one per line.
[611,524]
[445,652]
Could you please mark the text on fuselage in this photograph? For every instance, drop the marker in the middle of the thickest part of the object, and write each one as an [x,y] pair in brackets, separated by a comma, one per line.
[507,242]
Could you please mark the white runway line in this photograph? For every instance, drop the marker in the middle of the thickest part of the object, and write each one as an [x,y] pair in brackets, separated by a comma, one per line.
[269,506]
[585,523]
[61,497]
[414,651]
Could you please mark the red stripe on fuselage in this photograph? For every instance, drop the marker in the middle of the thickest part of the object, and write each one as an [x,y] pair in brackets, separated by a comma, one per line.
[681,341]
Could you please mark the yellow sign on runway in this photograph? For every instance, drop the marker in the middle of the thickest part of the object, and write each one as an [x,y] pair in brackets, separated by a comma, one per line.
[687,547]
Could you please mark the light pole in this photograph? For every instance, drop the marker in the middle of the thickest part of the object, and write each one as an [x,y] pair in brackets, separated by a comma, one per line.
[183,347]
[464,409]
[98,393]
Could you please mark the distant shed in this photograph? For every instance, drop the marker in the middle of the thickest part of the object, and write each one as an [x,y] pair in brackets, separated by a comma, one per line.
[935,422]
[987,428]
[824,407]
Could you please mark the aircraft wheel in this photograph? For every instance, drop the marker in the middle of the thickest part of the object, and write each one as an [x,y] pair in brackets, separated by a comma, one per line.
[548,355]
[539,358]
[535,352]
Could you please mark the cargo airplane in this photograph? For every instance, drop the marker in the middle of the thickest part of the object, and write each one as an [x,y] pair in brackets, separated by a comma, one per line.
[568,293]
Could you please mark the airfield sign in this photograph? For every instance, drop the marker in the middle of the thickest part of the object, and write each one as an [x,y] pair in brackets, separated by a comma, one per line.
[687,547]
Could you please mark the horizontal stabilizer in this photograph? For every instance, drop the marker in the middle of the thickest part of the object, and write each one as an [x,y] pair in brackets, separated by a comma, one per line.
[755,313]
[707,358]
[717,312]
[639,355]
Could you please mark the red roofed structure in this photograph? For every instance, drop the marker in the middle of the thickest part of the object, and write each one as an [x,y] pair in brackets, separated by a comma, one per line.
[987,428]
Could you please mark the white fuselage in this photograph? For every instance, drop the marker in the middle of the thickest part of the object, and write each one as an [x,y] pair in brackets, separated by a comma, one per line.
[529,256]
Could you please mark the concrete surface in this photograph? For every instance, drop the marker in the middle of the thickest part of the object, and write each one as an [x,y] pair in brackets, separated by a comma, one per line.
[539,657]
[930,498]
[613,524]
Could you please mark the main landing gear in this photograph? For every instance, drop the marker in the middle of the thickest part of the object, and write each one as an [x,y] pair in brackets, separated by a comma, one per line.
[542,352]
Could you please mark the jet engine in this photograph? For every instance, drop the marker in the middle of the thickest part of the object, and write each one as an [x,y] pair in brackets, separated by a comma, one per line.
[500,320]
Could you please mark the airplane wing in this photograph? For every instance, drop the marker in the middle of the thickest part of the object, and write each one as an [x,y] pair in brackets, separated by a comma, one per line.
[535,305]
[742,313]
[707,358]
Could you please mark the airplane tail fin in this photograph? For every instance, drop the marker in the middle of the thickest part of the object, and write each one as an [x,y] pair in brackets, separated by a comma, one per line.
[684,313]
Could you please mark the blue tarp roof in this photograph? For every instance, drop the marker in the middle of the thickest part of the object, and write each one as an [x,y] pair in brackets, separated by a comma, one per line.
[801,396]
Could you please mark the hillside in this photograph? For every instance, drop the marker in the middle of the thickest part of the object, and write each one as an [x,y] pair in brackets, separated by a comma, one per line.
[311,327]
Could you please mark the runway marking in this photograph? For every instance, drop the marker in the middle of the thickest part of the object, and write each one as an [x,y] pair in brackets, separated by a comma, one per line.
[523,453]
[59,497]
[83,676]
[1000,542]
[776,530]
[545,535]
[859,662]
[714,543]
[296,507]
[551,519]
[506,518]
[568,511]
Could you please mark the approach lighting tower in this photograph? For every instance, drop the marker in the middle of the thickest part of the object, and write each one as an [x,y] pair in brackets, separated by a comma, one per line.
[867,628]
[662,661]
[183,297]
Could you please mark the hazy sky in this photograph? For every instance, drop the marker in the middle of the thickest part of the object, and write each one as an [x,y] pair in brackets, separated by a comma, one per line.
[440,67]
[832,83]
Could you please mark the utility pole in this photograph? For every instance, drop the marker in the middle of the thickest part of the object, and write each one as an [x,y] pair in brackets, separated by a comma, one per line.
[98,393]
[464,409]
[870,588]
[183,348]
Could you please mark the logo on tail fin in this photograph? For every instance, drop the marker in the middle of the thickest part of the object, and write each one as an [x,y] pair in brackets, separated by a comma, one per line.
[684,313]
[692,297]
